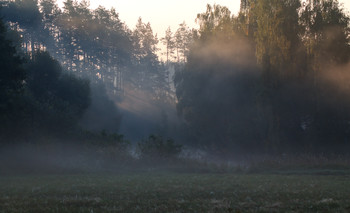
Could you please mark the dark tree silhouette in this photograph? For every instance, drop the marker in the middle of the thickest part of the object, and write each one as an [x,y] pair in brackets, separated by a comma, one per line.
[12,76]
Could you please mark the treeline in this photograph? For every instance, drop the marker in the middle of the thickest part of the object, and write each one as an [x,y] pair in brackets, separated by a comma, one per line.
[177,44]
[91,43]
[59,68]
[274,79]
[37,96]
[94,45]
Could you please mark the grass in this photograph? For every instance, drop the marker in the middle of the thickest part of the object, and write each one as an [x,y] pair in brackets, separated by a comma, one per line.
[174,192]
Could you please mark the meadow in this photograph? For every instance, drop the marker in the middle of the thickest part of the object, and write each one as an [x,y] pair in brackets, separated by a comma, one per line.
[175,192]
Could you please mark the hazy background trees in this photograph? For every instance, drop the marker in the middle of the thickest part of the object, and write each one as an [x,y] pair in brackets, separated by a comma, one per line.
[272,79]
[94,45]
[288,102]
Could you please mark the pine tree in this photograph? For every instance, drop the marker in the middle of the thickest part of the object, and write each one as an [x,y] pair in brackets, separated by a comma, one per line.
[169,43]
[12,75]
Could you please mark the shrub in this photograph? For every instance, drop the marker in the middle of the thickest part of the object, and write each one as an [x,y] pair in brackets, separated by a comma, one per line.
[155,147]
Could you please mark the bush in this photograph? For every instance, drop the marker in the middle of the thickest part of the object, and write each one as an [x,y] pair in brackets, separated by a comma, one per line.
[157,148]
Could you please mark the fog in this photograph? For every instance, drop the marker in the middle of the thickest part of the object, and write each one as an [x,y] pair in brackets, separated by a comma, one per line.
[143,116]
[222,77]
[102,113]
[82,90]
[94,117]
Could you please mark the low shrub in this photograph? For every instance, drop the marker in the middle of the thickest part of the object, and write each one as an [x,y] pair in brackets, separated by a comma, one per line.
[155,147]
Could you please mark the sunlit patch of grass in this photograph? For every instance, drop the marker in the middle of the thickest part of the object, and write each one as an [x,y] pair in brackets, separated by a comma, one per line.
[166,192]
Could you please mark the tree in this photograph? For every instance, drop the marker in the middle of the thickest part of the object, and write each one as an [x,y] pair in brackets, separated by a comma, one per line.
[326,39]
[25,14]
[326,33]
[281,55]
[150,76]
[276,106]
[12,76]
[215,17]
[277,36]
[183,40]
[168,41]
[216,88]
[49,9]
[146,42]
[58,99]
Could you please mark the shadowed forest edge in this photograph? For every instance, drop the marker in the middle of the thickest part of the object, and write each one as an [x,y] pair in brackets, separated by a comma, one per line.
[80,88]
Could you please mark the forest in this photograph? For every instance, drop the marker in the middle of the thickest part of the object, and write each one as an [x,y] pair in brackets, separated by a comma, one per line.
[273,79]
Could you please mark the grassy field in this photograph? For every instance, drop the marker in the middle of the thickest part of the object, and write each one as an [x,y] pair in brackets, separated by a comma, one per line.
[174,192]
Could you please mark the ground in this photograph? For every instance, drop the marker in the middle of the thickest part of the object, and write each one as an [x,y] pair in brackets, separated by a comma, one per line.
[175,192]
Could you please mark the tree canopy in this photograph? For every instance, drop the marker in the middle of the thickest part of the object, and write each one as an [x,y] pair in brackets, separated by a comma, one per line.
[261,81]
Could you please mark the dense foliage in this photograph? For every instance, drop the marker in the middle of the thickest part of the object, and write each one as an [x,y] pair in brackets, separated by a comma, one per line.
[12,76]
[156,148]
[58,99]
[91,43]
[37,95]
[270,80]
